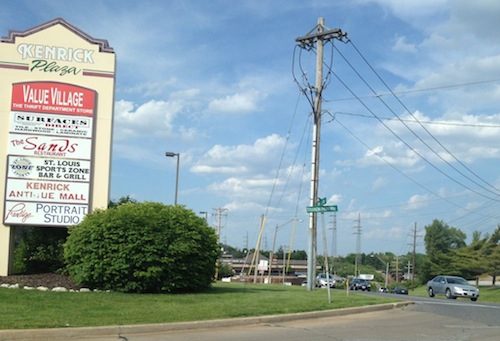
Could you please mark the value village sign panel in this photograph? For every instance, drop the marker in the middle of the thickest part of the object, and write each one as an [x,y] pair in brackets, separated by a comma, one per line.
[56,119]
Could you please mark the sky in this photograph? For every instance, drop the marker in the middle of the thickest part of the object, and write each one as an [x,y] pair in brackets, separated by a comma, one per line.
[410,121]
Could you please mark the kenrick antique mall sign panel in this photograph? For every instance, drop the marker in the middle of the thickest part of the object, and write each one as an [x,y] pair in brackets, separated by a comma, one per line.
[56,118]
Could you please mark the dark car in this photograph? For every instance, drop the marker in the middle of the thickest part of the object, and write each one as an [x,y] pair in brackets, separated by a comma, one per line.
[359,284]
[400,290]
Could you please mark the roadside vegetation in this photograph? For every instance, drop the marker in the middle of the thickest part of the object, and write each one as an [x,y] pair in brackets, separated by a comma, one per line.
[159,264]
[21,309]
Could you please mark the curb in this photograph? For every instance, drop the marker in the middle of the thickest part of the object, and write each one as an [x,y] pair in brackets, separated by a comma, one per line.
[93,332]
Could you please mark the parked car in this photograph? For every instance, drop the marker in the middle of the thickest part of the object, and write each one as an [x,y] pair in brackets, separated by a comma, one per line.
[383,289]
[452,287]
[359,284]
[323,281]
[400,290]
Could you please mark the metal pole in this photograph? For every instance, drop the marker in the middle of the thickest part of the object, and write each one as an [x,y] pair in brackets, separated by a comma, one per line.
[271,257]
[177,180]
[386,274]
[170,154]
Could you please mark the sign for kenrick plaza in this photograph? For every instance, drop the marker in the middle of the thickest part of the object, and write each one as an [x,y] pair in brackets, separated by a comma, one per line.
[55,127]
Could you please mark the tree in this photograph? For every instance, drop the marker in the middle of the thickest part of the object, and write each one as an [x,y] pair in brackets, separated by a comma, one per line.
[142,247]
[468,260]
[490,254]
[121,201]
[440,242]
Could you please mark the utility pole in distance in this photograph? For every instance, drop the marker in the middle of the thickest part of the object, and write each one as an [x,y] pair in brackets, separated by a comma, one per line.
[219,223]
[317,37]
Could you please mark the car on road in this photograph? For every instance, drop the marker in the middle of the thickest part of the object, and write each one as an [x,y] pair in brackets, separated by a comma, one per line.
[452,287]
[359,284]
[383,289]
[400,290]
[323,281]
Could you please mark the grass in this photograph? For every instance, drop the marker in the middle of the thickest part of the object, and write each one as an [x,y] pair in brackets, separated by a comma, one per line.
[25,309]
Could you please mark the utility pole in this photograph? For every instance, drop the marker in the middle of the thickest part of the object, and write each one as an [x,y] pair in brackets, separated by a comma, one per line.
[219,211]
[308,41]
[219,227]
[358,244]
[413,258]
[397,269]
[334,235]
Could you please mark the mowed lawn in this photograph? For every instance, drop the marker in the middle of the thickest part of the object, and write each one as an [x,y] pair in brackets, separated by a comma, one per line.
[24,309]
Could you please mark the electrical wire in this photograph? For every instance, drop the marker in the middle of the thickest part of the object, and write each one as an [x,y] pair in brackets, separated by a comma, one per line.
[406,143]
[442,87]
[395,168]
[475,125]
[426,130]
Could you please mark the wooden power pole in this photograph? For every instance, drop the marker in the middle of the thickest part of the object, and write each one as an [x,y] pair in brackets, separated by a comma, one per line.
[317,37]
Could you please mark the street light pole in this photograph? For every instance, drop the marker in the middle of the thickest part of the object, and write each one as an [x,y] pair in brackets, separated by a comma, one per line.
[170,154]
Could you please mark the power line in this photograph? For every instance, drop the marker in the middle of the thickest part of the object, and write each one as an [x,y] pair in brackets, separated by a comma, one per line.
[428,132]
[459,124]
[442,87]
[394,167]
[406,143]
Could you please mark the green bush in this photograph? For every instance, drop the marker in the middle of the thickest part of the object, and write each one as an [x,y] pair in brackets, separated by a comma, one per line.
[143,248]
[225,270]
[38,250]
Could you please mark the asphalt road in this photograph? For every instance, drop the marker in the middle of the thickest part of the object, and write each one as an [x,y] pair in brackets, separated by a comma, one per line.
[488,313]
[398,325]
[425,319]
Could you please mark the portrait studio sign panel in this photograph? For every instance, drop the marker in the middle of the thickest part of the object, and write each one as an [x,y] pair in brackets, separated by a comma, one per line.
[56,119]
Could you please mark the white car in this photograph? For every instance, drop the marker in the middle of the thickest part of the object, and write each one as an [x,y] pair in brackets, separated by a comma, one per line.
[452,287]
[323,281]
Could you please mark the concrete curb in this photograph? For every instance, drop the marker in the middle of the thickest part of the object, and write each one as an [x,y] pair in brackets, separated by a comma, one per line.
[107,331]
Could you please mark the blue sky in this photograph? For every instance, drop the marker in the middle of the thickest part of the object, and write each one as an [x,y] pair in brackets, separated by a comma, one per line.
[410,125]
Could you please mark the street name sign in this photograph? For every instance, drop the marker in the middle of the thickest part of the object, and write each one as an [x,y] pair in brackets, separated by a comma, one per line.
[321,209]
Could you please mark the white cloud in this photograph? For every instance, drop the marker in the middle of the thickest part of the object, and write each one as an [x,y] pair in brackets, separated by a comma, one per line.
[402,46]
[235,159]
[154,118]
[417,201]
[242,102]
[379,183]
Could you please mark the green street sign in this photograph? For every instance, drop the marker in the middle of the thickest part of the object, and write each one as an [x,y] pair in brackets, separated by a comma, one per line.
[321,209]
[321,202]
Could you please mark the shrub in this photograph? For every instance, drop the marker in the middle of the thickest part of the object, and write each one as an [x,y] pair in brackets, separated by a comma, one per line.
[225,270]
[39,250]
[142,247]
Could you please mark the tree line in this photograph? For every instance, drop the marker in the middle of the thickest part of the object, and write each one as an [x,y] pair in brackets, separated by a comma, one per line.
[40,250]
